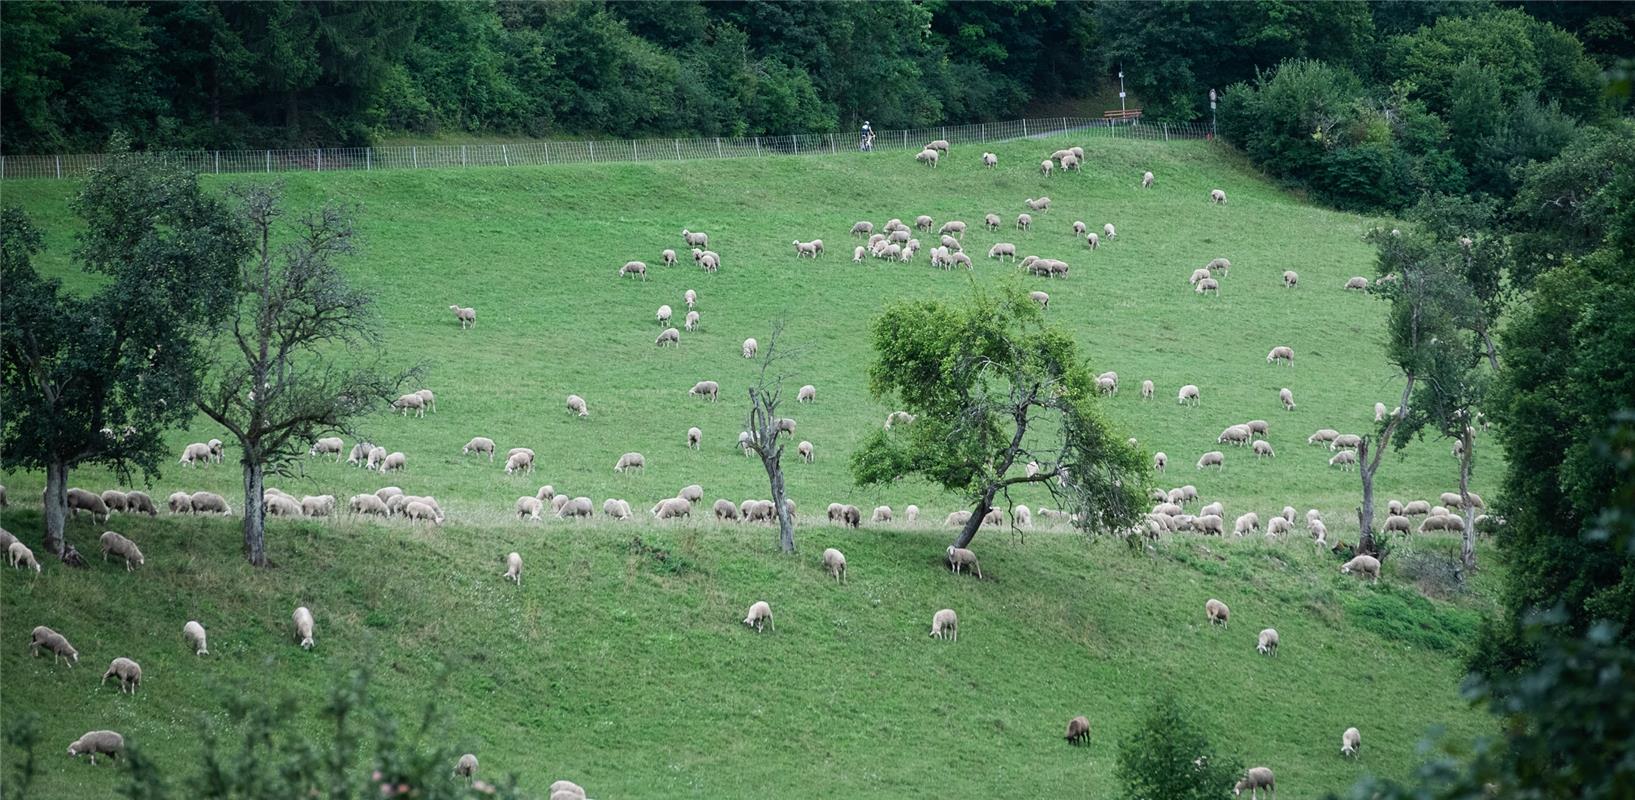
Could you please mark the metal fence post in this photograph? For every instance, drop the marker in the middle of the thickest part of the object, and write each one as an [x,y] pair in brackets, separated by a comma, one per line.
[796,140]
[593,150]
[635,156]
[757,147]
[462,155]
[218,162]
[984,133]
[1024,127]
[1166,131]
[320,159]
[59,167]
[368,158]
[414,152]
[505,154]
[269,161]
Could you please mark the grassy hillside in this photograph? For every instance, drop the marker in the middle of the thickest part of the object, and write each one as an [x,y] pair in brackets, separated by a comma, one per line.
[638,678]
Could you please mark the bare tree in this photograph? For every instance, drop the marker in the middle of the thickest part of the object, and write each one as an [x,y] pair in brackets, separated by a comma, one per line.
[1370,451]
[766,432]
[293,366]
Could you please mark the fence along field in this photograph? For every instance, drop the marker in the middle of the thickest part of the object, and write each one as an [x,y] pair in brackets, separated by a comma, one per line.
[341,159]
[1055,626]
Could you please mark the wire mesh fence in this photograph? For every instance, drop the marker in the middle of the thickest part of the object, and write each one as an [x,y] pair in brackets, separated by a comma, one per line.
[335,159]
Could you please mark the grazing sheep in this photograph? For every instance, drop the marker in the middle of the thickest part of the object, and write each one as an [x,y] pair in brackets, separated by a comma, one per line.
[1345,441]
[616,509]
[990,160]
[193,634]
[278,504]
[1258,427]
[1442,522]
[927,157]
[410,402]
[1351,742]
[209,502]
[1396,523]
[805,451]
[1092,241]
[634,268]
[1215,508]
[1237,435]
[138,503]
[529,508]
[881,514]
[81,500]
[1078,730]
[806,249]
[1217,197]
[1207,286]
[1046,166]
[1160,461]
[991,222]
[325,446]
[21,556]
[513,573]
[672,508]
[1263,449]
[1415,508]
[127,671]
[466,767]
[957,519]
[1291,279]
[939,144]
[1281,353]
[945,624]
[566,790]
[1345,460]
[368,504]
[114,499]
[1358,283]
[1287,398]
[668,256]
[467,317]
[961,558]
[751,347]
[360,453]
[1198,274]
[479,444]
[862,228]
[120,546]
[1256,778]
[692,320]
[911,514]
[1188,392]
[858,253]
[630,461]
[1024,222]
[663,315]
[1323,436]
[835,562]
[725,510]
[97,743]
[760,616]
[303,627]
[395,461]
[1213,458]
[1279,526]
[952,227]
[709,262]
[1109,231]
[1267,644]
[417,511]
[670,336]
[1079,228]
[1040,205]
[699,239]
[1246,523]
[899,418]
[1106,386]
[1363,566]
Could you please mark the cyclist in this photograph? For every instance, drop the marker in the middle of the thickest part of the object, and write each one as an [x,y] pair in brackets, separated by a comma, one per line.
[866,141]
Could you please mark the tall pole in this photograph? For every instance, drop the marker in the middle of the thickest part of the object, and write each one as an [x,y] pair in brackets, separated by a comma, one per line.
[1212,133]
[1121,89]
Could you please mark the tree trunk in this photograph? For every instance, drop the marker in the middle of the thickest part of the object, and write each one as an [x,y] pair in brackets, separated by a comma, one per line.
[1365,512]
[1467,546]
[984,504]
[786,526]
[255,520]
[56,506]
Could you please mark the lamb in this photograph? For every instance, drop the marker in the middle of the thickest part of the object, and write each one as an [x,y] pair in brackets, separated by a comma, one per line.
[1287,398]
[209,502]
[1078,730]
[1146,180]
[395,461]
[1024,222]
[927,157]
[120,546]
[467,317]
[699,239]
[670,336]
[21,556]
[529,508]
[1350,742]
[1267,644]
[959,557]
[1092,241]
[327,445]
[1256,778]
[140,503]
[751,347]
[367,504]
[193,634]
[1263,449]
[1208,286]
[1188,392]
[760,614]
[303,627]
[805,451]
[466,767]
[1217,612]
[1281,353]
[1041,298]
[81,500]
[881,514]
[127,671]
[990,160]
[1079,228]
[410,402]
[1291,279]
[1046,166]
[709,262]
[513,572]
[114,499]
[1345,459]
[1070,162]
[991,222]
[630,461]
[633,268]
[1358,283]
[1159,461]
[95,743]
[671,508]
[835,562]
[1213,458]
[862,228]
[1217,197]
[1364,566]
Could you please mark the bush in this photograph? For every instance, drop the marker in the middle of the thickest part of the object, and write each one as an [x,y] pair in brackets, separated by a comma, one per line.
[1170,758]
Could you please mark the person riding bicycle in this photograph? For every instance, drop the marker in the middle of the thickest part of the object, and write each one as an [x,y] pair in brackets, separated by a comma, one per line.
[866,141]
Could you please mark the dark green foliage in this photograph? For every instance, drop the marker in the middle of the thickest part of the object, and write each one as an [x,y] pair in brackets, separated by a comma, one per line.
[1572,205]
[1170,758]
[1525,56]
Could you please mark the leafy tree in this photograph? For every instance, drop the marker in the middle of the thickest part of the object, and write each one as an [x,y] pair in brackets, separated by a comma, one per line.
[1171,758]
[994,388]
[1514,46]
[277,384]
[98,378]
[1570,206]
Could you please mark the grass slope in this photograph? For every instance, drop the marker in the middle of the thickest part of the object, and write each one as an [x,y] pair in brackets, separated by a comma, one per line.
[639,680]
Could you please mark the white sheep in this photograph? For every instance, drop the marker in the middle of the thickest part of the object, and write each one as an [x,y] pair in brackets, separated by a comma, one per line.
[699,239]
[835,562]
[1246,523]
[1208,286]
[195,453]
[1160,461]
[1345,459]
[1357,283]
[1263,449]
[1041,298]
[97,743]
[1287,398]
[634,268]
[945,625]
[395,461]
[467,317]
[118,545]
[513,568]
[1079,228]
[193,634]
[479,444]
[1146,180]
[927,157]
[528,507]
[911,514]
[759,616]
[805,451]
[1217,612]
[1046,166]
[630,461]
[857,254]
[1345,441]
[1040,205]
[209,502]
[1364,566]
[751,347]
[1256,778]
[991,222]
[670,336]
[327,445]
[990,160]
[519,462]
[961,558]
[1291,279]
[1024,222]
[1267,644]
[1213,458]
[1217,197]
[1188,392]
[862,228]
[127,671]
[1281,353]
[411,402]
[303,627]
[1092,241]
[1351,742]
[1224,265]
[21,556]
[668,256]
[881,514]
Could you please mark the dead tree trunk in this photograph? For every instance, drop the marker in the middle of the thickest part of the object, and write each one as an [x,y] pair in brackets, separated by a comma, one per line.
[255,522]
[1467,546]
[1367,466]
[56,507]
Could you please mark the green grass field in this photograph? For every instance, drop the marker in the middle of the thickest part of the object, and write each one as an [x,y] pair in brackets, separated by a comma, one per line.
[637,679]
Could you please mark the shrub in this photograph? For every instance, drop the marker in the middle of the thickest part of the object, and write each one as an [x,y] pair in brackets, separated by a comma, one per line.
[1171,758]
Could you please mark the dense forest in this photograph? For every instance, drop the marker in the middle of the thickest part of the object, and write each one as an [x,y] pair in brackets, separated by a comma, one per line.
[229,75]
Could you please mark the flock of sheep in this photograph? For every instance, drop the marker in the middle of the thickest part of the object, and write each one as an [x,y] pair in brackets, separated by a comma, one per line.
[897,241]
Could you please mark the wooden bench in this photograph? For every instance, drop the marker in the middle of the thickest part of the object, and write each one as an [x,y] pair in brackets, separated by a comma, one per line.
[1132,113]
